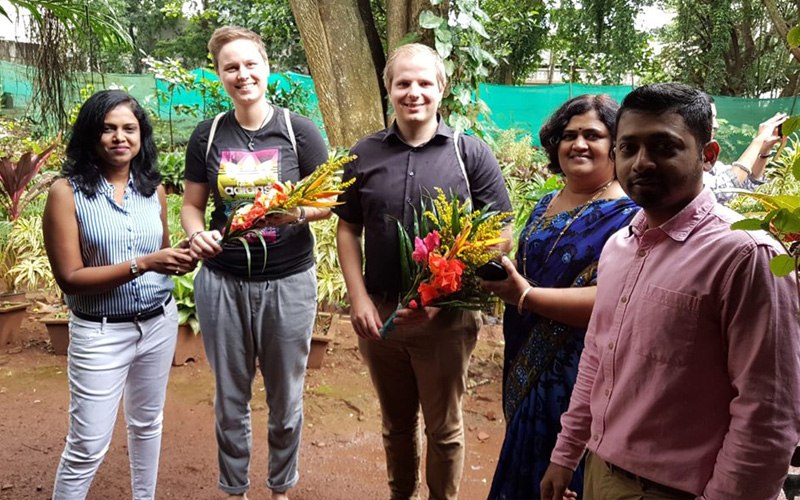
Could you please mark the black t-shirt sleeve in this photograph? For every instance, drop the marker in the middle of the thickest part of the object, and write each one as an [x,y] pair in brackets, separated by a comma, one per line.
[196,153]
[486,179]
[311,149]
[350,211]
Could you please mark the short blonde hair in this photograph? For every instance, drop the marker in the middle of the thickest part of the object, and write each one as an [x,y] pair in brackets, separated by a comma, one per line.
[227,34]
[411,50]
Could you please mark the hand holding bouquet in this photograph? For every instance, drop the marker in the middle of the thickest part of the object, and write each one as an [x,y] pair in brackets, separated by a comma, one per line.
[450,242]
[319,189]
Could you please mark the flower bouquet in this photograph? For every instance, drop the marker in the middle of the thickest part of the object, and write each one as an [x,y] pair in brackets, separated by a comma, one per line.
[319,189]
[437,267]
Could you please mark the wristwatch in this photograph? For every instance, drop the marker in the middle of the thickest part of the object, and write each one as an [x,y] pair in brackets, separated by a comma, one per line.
[134,268]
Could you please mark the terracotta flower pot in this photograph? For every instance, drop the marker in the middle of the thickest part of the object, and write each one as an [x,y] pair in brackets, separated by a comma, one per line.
[189,346]
[319,346]
[11,316]
[58,330]
[12,297]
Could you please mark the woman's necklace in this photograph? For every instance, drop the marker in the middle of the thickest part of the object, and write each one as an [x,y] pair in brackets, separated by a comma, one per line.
[252,137]
[566,226]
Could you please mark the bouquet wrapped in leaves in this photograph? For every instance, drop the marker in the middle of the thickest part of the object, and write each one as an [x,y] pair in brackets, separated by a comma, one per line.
[438,262]
[319,189]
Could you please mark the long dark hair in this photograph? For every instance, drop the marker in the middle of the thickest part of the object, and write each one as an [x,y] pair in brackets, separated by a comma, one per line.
[83,165]
[551,131]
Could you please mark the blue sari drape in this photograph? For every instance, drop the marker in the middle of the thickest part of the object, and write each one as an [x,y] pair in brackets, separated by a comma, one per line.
[541,355]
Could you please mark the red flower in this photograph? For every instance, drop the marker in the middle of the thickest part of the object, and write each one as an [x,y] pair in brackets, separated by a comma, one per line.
[446,278]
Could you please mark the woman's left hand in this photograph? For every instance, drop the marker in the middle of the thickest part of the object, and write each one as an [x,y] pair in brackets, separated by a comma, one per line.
[510,289]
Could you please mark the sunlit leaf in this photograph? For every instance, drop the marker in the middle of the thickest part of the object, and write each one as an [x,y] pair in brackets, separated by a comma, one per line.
[748,224]
[793,37]
[781,265]
[786,222]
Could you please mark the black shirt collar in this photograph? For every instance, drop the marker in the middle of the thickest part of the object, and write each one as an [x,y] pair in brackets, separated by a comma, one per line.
[441,130]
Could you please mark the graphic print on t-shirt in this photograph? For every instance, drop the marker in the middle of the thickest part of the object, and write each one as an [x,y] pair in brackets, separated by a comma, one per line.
[244,173]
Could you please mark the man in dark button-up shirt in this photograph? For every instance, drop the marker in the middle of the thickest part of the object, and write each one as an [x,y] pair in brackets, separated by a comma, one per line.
[424,361]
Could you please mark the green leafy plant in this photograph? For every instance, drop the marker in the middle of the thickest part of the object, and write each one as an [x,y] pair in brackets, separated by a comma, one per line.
[780,214]
[290,95]
[24,264]
[172,164]
[459,40]
[183,293]
[331,289]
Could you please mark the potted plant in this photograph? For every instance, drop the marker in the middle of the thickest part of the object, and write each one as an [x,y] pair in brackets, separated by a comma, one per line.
[190,344]
[58,329]
[11,316]
[19,187]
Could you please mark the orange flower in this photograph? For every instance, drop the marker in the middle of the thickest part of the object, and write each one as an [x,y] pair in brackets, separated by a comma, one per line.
[446,278]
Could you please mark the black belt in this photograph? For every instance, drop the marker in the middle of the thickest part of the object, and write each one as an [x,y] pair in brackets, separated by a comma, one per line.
[647,484]
[142,316]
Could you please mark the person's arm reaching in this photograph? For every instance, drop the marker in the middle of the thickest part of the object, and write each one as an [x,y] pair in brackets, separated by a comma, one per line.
[755,158]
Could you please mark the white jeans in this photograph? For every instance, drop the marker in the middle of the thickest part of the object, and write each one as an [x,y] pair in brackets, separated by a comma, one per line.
[107,361]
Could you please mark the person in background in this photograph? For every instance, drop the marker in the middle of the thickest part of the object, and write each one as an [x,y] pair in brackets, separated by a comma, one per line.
[551,291]
[748,172]
[248,315]
[689,382]
[424,361]
[106,235]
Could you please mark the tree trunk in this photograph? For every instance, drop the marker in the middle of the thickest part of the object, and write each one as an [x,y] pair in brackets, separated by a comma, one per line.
[780,26]
[341,62]
[402,18]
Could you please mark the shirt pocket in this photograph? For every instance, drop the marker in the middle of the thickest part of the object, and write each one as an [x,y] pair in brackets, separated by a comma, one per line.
[665,326]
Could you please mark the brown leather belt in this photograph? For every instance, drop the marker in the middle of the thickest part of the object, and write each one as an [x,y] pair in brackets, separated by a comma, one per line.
[647,484]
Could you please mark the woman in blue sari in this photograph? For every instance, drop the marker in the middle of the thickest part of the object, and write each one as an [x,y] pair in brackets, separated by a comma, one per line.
[550,293]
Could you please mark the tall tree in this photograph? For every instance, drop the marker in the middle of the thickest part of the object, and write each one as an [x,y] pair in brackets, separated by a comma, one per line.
[519,33]
[730,49]
[339,37]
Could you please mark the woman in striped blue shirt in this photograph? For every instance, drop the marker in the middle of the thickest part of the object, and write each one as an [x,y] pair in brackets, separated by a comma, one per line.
[105,231]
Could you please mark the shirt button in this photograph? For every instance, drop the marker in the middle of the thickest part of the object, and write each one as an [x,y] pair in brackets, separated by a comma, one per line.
[408,200]
[608,392]
[129,247]
[611,345]
[596,437]
[623,299]
[411,174]
[641,253]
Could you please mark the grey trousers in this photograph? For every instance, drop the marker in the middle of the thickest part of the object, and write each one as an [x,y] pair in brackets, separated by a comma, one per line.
[271,321]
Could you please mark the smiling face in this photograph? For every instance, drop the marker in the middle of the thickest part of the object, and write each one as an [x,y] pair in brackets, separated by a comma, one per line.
[659,162]
[243,71]
[583,150]
[120,140]
[414,91]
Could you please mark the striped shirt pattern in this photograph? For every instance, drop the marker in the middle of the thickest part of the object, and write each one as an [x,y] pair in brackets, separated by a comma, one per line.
[110,234]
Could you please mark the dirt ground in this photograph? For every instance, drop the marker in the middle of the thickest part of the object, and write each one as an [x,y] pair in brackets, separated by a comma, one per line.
[341,456]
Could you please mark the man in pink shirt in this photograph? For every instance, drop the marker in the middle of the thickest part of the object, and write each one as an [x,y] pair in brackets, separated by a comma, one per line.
[689,383]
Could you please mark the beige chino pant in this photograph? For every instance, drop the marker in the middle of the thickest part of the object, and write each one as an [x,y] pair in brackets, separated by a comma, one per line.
[423,367]
[604,482]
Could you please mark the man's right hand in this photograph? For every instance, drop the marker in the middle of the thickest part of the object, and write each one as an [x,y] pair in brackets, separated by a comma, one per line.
[554,483]
[365,318]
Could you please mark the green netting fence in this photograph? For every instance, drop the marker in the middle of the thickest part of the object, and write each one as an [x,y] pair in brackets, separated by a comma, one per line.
[512,107]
